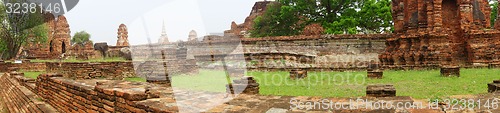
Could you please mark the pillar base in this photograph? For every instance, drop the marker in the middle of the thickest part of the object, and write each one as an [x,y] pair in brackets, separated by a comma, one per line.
[380,91]
[448,71]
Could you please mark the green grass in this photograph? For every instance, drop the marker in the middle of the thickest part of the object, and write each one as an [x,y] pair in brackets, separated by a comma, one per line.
[33,75]
[107,59]
[206,80]
[417,84]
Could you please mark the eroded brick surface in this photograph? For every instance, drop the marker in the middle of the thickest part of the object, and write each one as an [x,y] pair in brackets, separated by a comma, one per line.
[434,33]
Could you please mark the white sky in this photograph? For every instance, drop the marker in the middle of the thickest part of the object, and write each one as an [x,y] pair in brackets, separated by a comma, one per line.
[101,18]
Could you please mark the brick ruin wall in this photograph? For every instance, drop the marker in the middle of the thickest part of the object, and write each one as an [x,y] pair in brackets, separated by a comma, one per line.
[16,98]
[86,70]
[67,95]
[25,66]
[444,32]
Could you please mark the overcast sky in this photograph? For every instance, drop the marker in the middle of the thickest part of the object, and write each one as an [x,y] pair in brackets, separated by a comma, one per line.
[144,18]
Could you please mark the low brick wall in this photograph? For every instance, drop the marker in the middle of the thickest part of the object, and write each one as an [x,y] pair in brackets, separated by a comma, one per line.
[104,96]
[15,98]
[86,70]
[25,66]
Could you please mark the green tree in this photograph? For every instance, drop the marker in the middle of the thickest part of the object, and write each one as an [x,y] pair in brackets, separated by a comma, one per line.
[16,28]
[494,12]
[278,20]
[81,38]
[375,16]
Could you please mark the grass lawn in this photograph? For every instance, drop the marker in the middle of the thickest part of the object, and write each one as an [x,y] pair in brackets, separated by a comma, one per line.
[417,84]
[32,74]
[206,80]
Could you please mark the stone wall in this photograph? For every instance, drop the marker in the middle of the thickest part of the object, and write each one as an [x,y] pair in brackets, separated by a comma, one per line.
[92,96]
[436,33]
[25,66]
[86,70]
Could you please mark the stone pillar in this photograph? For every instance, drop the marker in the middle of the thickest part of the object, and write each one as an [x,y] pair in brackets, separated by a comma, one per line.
[298,74]
[10,69]
[380,91]
[448,71]
[494,87]
[245,85]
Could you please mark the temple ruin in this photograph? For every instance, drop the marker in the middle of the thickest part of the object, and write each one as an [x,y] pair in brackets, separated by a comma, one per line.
[163,37]
[431,33]
[122,36]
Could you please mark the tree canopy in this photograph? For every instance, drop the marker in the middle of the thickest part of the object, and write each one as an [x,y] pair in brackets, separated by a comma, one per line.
[288,17]
[81,38]
[16,28]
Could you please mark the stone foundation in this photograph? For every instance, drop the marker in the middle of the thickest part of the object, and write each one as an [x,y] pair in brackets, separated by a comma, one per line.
[245,85]
[68,95]
[86,70]
[298,74]
[375,74]
[494,87]
[448,71]
[380,91]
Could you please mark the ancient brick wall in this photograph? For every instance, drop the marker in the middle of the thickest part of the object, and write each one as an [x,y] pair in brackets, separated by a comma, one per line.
[122,36]
[14,98]
[86,70]
[25,66]
[443,32]
[68,95]
[315,51]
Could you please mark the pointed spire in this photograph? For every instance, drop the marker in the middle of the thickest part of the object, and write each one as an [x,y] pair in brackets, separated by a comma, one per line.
[164,30]
[163,38]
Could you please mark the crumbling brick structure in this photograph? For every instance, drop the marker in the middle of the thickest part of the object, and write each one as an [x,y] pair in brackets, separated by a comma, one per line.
[122,36]
[58,40]
[257,10]
[494,87]
[441,32]
[245,85]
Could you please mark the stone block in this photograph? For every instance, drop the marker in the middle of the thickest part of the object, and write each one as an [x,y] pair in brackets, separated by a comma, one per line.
[380,91]
[375,74]
[298,74]
[494,87]
[448,71]
[245,85]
